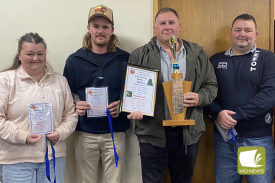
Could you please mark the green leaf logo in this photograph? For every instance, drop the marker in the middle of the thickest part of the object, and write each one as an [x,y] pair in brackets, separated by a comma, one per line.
[251,160]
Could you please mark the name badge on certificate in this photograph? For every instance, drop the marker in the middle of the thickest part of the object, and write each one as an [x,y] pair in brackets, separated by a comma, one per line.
[97,97]
[139,91]
[40,117]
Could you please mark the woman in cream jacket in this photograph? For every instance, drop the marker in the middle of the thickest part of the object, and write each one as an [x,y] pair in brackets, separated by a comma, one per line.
[30,81]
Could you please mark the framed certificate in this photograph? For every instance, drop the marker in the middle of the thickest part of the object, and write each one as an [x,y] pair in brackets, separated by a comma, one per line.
[40,117]
[139,90]
[97,97]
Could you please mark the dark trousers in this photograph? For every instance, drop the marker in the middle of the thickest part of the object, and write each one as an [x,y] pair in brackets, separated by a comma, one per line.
[181,163]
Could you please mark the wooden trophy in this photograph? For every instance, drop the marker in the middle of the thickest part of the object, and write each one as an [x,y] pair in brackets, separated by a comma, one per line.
[174,91]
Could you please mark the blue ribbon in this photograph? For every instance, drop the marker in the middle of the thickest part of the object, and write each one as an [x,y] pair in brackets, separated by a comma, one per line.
[112,134]
[232,133]
[48,172]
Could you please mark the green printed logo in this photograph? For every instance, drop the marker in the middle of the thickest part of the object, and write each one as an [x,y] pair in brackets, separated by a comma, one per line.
[129,94]
[251,160]
[150,82]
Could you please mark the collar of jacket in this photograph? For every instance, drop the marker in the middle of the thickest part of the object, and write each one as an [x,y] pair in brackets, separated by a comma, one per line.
[192,53]
[22,74]
[89,56]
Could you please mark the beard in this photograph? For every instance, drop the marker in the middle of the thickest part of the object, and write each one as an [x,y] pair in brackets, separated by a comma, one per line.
[100,44]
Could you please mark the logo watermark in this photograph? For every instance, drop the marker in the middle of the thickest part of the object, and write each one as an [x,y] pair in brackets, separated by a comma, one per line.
[251,160]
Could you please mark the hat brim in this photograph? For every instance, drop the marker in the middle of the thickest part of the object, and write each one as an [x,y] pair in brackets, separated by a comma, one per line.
[100,15]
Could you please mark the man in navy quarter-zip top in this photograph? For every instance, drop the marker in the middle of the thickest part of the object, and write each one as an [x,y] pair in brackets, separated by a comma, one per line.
[98,64]
[243,109]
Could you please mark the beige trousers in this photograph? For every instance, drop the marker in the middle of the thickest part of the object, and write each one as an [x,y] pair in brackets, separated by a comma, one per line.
[92,149]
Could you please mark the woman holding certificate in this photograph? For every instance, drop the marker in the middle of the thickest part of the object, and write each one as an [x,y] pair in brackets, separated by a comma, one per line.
[36,115]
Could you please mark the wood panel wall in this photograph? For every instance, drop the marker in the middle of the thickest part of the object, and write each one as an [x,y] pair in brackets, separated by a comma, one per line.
[208,23]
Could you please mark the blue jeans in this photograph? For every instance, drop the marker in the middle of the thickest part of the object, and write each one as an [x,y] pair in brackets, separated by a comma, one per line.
[226,160]
[1,167]
[33,172]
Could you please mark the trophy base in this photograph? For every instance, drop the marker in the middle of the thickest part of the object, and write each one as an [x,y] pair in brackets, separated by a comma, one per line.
[178,122]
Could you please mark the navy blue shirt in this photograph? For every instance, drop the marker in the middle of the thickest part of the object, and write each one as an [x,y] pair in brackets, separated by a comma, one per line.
[82,70]
[246,85]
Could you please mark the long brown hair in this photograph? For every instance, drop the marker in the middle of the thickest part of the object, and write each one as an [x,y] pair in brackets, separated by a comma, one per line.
[113,42]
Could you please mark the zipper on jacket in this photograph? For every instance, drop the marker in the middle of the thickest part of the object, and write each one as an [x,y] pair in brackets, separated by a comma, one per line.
[40,86]
[185,134]
[100,75]
[41,90]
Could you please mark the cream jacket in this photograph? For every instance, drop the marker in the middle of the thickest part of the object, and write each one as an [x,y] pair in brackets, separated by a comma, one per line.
[17,90]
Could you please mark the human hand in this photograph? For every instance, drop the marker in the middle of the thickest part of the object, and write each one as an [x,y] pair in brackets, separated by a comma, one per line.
[53,137]
[33,138]
[113,107]
[137,115]
[190,99]
[225,120]
[82,107]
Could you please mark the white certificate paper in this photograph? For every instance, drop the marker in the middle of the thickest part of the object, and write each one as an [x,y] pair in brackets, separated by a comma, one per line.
[97,97]
[40,117]
[139,90]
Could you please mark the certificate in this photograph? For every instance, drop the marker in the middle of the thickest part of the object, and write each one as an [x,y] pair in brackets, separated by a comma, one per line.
[40,117]
[139,91]
[97,97]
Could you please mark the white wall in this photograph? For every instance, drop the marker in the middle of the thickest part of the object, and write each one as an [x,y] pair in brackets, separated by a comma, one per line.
[62,23]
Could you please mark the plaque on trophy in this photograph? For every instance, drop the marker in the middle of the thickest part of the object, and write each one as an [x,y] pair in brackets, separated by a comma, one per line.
[174,91]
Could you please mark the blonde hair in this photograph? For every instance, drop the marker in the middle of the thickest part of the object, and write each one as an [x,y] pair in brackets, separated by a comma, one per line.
[113,42]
